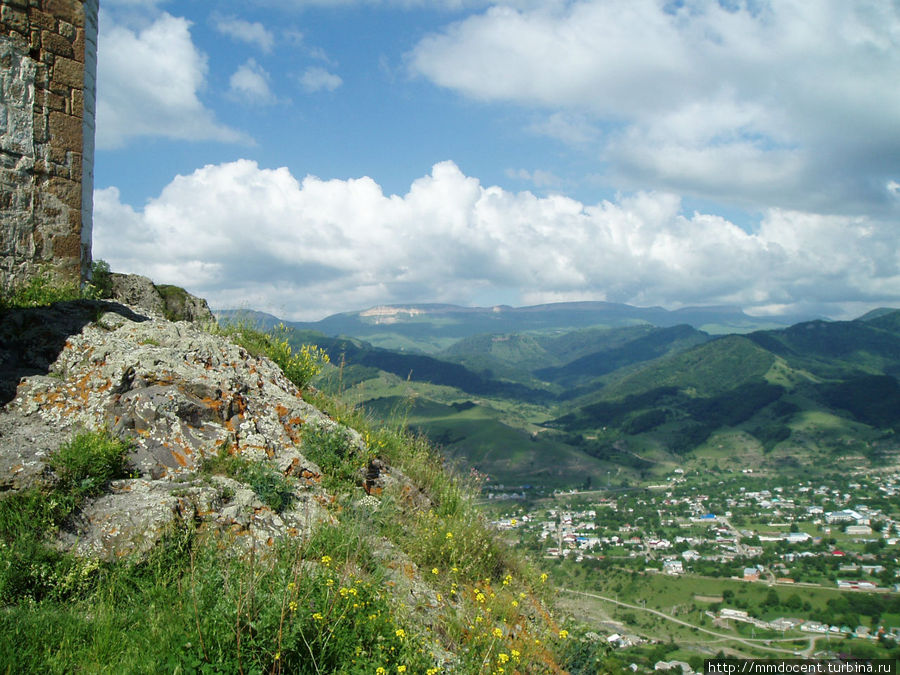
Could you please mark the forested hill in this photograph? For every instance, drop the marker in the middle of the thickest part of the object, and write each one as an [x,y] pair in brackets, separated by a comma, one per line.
[559,405]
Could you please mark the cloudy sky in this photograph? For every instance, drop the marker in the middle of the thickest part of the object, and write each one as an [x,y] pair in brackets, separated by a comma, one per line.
[306,157]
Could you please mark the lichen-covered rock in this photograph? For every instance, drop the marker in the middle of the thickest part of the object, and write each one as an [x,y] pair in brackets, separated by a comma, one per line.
[179,394]
[163,300]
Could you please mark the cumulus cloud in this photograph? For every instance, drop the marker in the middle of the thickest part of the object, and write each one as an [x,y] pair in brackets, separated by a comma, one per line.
[316,79]
[797,94]
[324,246]
[250,84]
[149,82]
[250,32]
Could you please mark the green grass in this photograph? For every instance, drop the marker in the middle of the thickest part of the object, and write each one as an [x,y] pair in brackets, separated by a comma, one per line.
[299,366]
[411,578]
[44,289]
[274,489]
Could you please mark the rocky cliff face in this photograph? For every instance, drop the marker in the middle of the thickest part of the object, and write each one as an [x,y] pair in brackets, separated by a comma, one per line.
[180,395]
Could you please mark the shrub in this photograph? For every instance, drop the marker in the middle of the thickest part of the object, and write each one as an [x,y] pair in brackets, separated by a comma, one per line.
[100,286]
[89,460]
[299,367]
[39,291]
[336,454]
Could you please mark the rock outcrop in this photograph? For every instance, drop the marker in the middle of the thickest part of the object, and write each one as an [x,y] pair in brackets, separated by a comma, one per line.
[180,394]
[161,300]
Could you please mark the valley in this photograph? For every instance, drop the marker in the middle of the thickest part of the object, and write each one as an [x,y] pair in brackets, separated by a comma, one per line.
[692,494]
[737,563]
[565,404]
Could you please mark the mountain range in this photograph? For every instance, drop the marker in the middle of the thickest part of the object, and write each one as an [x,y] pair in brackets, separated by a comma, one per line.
[572,393]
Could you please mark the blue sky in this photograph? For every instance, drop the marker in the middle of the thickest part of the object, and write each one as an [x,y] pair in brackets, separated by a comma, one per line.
[306,157]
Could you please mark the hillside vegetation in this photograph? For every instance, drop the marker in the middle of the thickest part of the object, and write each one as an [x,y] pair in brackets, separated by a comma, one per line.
[249,527]
[563,406]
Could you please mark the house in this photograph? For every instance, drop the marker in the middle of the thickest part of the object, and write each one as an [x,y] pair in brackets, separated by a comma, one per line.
[673,567]
[751,574]
[843,516]
[858,529]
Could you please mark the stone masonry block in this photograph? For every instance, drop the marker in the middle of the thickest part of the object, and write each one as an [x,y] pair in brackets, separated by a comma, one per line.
[78,43]
[67,246]
[78,103]
[15,19]
[41,128]
[75,166]
[53,101]
[41,19]
[68,191]
[57,44]
[73,10]
[68,72]
[57,155]
[67,30]
[65,131]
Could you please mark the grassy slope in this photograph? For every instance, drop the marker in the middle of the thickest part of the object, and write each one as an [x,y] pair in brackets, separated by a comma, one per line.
[395,584]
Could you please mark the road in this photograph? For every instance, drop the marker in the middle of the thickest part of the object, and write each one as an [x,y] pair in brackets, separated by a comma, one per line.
[749,642]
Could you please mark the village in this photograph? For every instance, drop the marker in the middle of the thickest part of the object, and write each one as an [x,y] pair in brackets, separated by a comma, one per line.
[790,537]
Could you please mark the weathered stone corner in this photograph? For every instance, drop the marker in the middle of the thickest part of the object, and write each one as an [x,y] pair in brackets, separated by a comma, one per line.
[48,63]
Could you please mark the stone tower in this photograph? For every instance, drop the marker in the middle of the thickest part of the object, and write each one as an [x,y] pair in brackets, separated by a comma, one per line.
[48,65]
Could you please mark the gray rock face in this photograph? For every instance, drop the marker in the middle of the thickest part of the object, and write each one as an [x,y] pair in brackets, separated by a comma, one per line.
[170,302]
[179,394]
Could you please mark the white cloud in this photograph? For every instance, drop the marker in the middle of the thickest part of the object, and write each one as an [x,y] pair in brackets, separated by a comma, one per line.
[318,79]
[250,84]
[805,92]
[250,237]
[148,85]
[245,31]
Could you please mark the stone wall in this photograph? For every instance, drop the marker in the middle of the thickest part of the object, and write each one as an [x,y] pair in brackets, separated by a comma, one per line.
[48,61]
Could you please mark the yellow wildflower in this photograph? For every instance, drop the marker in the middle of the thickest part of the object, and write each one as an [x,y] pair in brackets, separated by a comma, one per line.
[326,560]
[543,577]
[434,570]
[449,535]
[401,669]
[563,634]
[292,605]
[380,671]
[318,616]
[400,633]
[502,657]
[497,633]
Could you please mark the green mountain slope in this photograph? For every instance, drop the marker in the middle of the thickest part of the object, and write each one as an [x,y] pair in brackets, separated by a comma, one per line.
[563,407]
[812,391]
